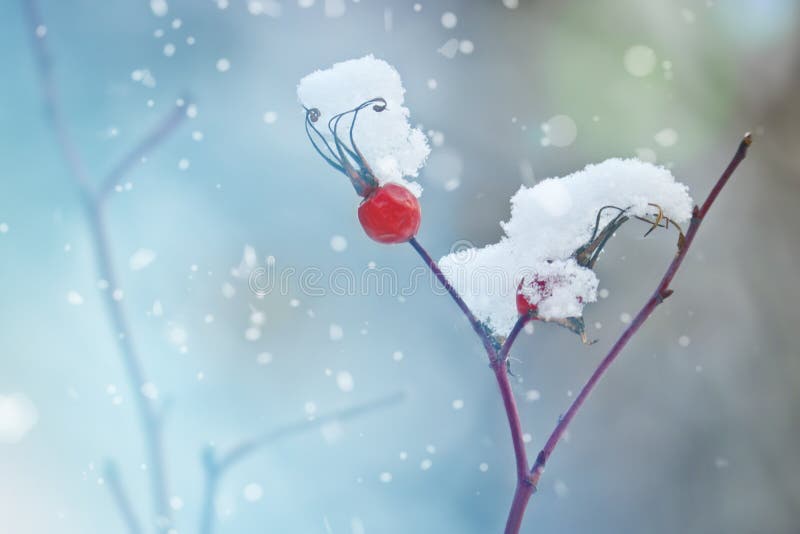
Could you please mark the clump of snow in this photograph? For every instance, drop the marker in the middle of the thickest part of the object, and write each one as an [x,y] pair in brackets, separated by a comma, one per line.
[563,286]
[141,258]
[391,147]
[548,223]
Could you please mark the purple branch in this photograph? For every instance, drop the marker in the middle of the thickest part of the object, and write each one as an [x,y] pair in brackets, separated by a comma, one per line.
[661,292]
[94,210]
[478,326]
[497,361]
[522,320]
[214,468]
[514,422]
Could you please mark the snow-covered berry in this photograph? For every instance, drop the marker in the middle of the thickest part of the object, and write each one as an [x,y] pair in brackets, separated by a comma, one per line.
[390,214]
[538,288]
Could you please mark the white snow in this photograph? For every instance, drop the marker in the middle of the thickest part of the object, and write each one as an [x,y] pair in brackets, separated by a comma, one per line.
[449,49]
[159,7]
[223,64]
[449,20]
[149,390]
[18,415]
[666,137]
[559,131]
[252,492]
[639,60]
[345,381]
[338,243]
[74,298]
[391,147]
[247,264]
[335,332]
[335,8]
[270,117]
[548,222]
[141,258]
[466,47]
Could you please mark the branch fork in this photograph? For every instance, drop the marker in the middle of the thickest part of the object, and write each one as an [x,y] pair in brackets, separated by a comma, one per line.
[498,352]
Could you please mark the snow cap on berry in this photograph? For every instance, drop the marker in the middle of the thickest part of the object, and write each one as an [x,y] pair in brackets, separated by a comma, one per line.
[549,222]
[391,147]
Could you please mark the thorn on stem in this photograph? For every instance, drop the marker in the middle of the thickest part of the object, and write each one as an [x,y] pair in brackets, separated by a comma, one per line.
[528,481]
[665,294]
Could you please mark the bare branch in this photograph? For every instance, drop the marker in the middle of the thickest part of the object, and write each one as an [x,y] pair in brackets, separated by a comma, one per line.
[250,446]
[497,360]
[52,102]
[480,329]
[121,499]
[152,140]
[215,468]
[661,292]
[92,203]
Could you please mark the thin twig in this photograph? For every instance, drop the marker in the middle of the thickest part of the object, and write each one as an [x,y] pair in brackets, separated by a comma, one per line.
[497,361]
[152,140]
[148,415]
[512,413]
[522,320]
[480,329]
[121,499]
[527,480]
[51,96]
[661,293]
[214,468]
[93,203]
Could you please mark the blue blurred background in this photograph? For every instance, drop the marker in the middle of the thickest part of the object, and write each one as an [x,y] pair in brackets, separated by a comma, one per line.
[694,430]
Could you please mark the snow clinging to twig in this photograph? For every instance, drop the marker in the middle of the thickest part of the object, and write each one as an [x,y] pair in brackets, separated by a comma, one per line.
[391,147]
[548,223]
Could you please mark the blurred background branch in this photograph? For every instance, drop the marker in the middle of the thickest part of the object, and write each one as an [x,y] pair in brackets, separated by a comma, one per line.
[121,498]
[94,206]
[214,468]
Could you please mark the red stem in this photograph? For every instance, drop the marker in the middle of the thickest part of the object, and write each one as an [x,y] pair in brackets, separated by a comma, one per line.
[661,292]
[497,360]
[477,325]
[514,423]
[527,480]
[510,404]
[522,495]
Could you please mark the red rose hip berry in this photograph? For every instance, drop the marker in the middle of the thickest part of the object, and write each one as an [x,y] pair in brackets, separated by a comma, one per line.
[523,306]
[390,214]
[542,286]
